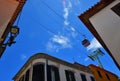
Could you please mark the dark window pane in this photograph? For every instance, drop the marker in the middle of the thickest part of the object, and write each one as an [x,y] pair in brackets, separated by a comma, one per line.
[52,73]
[69,75]
[23,78]
[83,77]
[107,77]
[92,78]
[99,74]
[27,75]
[116,9]
[38,72]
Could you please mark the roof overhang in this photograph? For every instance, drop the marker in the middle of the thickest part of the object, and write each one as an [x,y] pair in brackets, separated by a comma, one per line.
[10,23]
[85,19]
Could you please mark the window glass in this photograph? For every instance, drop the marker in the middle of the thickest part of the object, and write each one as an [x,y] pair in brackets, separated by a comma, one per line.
[107,77]
[99,74]
[27,75]
[83,77]
[92,78]
[69,75]
[52,73]
[38,72]
[116,9]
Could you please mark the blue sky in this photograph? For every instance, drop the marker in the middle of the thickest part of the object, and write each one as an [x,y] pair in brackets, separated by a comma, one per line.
[52,27]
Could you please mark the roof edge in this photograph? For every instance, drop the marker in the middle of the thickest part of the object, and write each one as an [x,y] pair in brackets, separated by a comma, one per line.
[85,19]
[49,57]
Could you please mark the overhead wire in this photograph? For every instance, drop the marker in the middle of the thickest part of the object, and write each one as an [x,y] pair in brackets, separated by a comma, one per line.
[58,15]
[52,32]
[61,17]
[77,39]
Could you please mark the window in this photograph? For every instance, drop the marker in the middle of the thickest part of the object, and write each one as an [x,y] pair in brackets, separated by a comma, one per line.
[22,78]
[52,73]
[116,9]
[92,78]
[99,74]
[107,76]
[27,75]
[38,72]
[69,75]
[83,77]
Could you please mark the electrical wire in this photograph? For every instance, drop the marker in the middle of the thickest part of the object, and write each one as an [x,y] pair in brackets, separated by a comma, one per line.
[53,33]
[59,15]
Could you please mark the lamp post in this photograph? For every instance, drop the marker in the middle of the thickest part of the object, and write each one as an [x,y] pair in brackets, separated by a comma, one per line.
[14,31]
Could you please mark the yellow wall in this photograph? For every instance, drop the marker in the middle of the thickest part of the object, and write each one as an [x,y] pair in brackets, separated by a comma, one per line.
[103,72]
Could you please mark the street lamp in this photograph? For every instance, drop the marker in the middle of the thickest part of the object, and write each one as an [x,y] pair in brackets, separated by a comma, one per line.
[14,31]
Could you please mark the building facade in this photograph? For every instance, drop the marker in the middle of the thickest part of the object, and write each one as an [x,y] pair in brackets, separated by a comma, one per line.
[42,67]
[102,75]
[103,20]
[9,11]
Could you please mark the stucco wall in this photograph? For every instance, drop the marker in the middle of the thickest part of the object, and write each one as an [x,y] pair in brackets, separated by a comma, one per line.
[61,67]
[103,72]
[107,24]
[7,8]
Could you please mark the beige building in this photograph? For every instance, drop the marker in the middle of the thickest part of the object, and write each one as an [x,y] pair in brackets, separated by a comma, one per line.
[103,20]
[42,67]
[9,10]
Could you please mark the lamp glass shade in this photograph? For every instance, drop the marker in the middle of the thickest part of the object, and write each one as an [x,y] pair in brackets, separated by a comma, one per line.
[14,30]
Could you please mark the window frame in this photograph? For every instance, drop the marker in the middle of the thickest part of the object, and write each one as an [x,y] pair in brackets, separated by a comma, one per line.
[116,9]
[53,73]
[107,76]
[83,77]
[70,76]
[43,69]
[92,78]
[100,75]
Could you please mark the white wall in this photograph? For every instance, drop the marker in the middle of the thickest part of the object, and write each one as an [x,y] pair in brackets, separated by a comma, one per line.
[61,67]
[107,24]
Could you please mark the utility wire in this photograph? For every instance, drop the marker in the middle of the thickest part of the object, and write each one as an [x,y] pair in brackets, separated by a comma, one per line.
[58,14]
[53,33]
[55,21]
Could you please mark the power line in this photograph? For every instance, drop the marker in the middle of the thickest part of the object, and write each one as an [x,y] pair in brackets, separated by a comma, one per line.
[58,15]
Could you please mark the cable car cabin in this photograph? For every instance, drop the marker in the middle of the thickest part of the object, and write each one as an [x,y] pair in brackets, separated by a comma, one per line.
[85,43]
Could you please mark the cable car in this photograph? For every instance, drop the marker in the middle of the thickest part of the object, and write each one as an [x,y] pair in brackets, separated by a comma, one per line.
[85,42]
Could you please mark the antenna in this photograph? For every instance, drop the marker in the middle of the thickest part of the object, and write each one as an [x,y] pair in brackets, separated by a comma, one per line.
[95,56]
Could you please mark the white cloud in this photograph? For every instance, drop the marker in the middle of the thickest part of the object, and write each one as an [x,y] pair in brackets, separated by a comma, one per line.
[66,22]
[73,32]
[58,42]
[94,44]
[66,11]
[23,56]
[86,59]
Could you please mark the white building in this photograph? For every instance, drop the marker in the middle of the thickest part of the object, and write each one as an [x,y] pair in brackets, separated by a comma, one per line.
[42,67]
[103,20]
